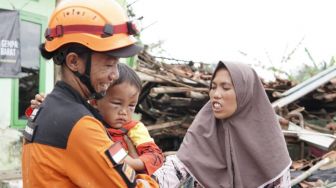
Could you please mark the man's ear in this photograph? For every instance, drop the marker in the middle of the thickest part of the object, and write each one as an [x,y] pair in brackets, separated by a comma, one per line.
[72,61]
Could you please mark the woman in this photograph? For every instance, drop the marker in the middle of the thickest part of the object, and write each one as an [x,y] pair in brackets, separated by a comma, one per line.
[235,139]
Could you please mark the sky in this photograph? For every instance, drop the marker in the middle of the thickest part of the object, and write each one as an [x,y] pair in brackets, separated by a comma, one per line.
[258,32]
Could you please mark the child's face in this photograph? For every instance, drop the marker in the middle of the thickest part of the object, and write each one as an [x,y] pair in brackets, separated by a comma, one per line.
[118,105]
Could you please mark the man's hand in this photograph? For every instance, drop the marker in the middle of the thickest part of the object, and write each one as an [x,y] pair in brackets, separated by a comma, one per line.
[35,103]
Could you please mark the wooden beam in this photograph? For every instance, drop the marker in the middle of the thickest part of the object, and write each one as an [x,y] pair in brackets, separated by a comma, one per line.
[157,127]
[167,89]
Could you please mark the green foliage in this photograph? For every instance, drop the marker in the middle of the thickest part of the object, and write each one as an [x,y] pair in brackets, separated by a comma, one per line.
[281,69]
[278,71]
[307,71]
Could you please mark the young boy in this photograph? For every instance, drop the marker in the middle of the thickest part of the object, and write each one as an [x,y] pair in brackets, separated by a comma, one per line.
[117,108]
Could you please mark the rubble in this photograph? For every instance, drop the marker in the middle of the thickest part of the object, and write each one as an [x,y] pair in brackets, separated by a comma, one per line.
[173,94]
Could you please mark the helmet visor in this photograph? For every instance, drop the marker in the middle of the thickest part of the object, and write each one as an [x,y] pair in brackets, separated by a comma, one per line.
[127,51]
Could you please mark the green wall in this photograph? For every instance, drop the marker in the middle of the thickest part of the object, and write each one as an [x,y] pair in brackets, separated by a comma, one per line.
[42,7]
[36,11]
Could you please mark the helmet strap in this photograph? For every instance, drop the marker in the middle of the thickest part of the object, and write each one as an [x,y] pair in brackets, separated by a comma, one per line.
[85,78]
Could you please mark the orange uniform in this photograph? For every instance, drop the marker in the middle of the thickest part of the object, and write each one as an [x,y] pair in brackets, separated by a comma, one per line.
[66,147]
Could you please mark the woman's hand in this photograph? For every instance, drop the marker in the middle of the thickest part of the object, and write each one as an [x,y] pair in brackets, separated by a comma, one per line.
[35,103]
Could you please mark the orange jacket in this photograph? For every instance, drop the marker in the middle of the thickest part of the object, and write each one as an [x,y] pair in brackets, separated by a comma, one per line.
[68,148]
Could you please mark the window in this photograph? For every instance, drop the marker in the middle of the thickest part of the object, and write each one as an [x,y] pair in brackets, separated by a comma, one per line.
[32,81]
[29,84]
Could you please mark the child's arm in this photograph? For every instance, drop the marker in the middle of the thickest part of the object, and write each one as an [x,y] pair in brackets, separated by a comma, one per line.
[149,153]
[150,158]
[133,158]
[136,164]
[132,152]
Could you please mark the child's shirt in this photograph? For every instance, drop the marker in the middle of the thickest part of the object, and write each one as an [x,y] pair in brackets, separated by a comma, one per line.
[148,151]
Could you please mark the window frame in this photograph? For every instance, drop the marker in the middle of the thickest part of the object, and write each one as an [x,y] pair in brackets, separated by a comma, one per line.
[16,122]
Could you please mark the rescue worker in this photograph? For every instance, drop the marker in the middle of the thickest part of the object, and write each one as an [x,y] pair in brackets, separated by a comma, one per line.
[66,145]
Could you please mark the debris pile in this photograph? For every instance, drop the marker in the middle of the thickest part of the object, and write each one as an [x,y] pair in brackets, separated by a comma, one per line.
[308,123]
[318,107]
[172,95]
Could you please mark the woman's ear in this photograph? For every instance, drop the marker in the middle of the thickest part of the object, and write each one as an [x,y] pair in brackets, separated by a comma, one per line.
[72,61]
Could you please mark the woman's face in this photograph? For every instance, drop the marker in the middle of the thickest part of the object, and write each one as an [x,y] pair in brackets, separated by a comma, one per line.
[222,95]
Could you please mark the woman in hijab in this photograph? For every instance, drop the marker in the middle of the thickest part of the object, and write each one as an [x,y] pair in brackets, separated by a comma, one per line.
[235,140]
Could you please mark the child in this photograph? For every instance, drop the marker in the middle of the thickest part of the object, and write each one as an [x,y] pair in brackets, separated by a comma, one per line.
[117,108]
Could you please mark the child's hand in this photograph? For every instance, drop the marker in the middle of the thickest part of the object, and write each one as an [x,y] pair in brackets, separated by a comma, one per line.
[132,152]
[136,164]
[35,103]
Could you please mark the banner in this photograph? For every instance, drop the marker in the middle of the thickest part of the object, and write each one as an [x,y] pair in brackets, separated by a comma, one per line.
[10,60]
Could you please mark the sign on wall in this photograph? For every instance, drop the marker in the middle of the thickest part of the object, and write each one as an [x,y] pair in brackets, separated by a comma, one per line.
[10,61]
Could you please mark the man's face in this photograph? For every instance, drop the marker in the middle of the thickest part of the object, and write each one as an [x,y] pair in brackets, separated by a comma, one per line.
[104,71]
[118,105]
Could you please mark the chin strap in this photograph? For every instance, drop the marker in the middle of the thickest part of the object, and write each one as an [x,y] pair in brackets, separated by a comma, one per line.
[85,79]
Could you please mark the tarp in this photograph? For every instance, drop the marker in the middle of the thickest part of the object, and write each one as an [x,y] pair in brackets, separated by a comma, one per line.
[10,60]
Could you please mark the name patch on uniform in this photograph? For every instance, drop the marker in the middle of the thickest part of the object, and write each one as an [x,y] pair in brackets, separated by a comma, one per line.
[116,153]
[129,172]
[34,113]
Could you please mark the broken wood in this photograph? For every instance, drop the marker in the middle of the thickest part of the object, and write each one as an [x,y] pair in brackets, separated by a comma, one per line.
[329,157]
[168,89]
[163,126]
[169,80]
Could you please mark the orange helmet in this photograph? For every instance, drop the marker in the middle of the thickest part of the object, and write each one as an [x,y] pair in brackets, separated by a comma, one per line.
[100,25]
